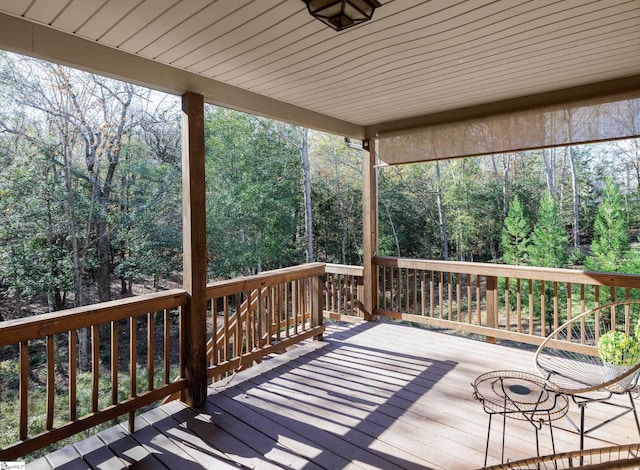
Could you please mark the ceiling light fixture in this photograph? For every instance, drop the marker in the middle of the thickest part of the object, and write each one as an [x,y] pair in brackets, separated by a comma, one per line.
[342,14]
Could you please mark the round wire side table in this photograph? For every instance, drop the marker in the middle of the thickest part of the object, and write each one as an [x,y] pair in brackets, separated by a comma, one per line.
[519,395]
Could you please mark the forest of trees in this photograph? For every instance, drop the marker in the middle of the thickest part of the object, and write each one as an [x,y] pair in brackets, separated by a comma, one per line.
[90,196]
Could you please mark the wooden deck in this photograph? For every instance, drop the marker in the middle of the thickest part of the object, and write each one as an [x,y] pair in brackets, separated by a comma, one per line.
[372,395]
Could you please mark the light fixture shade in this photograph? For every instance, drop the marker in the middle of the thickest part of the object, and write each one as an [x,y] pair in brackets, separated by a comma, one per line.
[342,14]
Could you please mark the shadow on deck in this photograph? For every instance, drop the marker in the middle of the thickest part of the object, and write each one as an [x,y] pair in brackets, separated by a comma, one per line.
[372,395]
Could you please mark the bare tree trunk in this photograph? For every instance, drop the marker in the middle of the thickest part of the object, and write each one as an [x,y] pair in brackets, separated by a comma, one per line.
[443,228]
[560,185]
[576,201]
[393,227]
[306,172]
[549,159]
[506,165]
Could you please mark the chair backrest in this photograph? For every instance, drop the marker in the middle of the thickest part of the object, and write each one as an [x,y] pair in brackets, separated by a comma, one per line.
[598,349]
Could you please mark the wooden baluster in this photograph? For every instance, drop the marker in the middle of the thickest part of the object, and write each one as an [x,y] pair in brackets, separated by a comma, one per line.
[237,335]
[469,300]
[333,293]
[214,329]
[569,301]
[182,321]
[423,293]
[340,294]
[287,311]
[398,290]
[629,328]
[478,301]
[327,288]
[225,326]
[95,367]
[491,305]
[627,314]
[352,303]
[543,308]
[249,324]
[73,353]
[432,294]
[507,305]
[450,296]
[305,289]
[407,293]
[114,362]
[519,305]
[51,382]
[278,309]
[441,295]
[167,345]
[24,389]
[415,292]
[151,316]
[459,298]
[384,287]
[556,311]
[133,369]
[531,325]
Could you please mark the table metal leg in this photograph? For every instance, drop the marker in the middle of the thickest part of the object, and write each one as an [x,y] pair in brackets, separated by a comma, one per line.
[504,431]
[486,451]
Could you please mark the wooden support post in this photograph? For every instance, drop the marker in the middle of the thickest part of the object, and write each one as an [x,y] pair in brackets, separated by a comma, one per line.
[369,231]
[194,249]
[316,304]
[492,305]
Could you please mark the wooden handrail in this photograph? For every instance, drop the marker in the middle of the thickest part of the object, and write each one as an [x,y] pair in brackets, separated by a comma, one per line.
[525,272]
[344,269]
[39,326]
[277,276]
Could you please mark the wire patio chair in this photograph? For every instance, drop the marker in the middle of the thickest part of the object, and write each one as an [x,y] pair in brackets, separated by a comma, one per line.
[593,357]
[614,457]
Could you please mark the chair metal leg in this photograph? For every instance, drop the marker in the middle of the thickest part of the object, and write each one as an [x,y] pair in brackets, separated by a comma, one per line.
[582,408]
[635,411]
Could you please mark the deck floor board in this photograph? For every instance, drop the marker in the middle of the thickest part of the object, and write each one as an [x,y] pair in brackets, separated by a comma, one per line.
[371,396]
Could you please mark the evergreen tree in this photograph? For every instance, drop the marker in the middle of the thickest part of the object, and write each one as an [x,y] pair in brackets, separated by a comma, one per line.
[515,235]
[549,240]
[610,246]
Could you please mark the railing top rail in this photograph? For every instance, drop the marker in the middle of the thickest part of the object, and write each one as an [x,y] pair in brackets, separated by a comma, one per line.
[344,269]
[523,272]
[264,279]
[39,326]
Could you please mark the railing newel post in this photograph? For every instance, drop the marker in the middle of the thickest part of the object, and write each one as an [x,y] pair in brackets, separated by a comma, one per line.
[492,305]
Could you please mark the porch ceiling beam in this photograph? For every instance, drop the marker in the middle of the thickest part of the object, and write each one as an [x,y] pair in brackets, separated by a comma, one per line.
[35,40]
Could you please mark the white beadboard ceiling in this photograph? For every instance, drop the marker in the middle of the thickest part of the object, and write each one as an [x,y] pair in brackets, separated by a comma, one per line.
[415,58]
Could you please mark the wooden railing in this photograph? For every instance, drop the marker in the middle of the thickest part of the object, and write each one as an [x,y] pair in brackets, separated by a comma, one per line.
[135,352]
[255,316]
[497,301]
[343,291]
[125,353]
